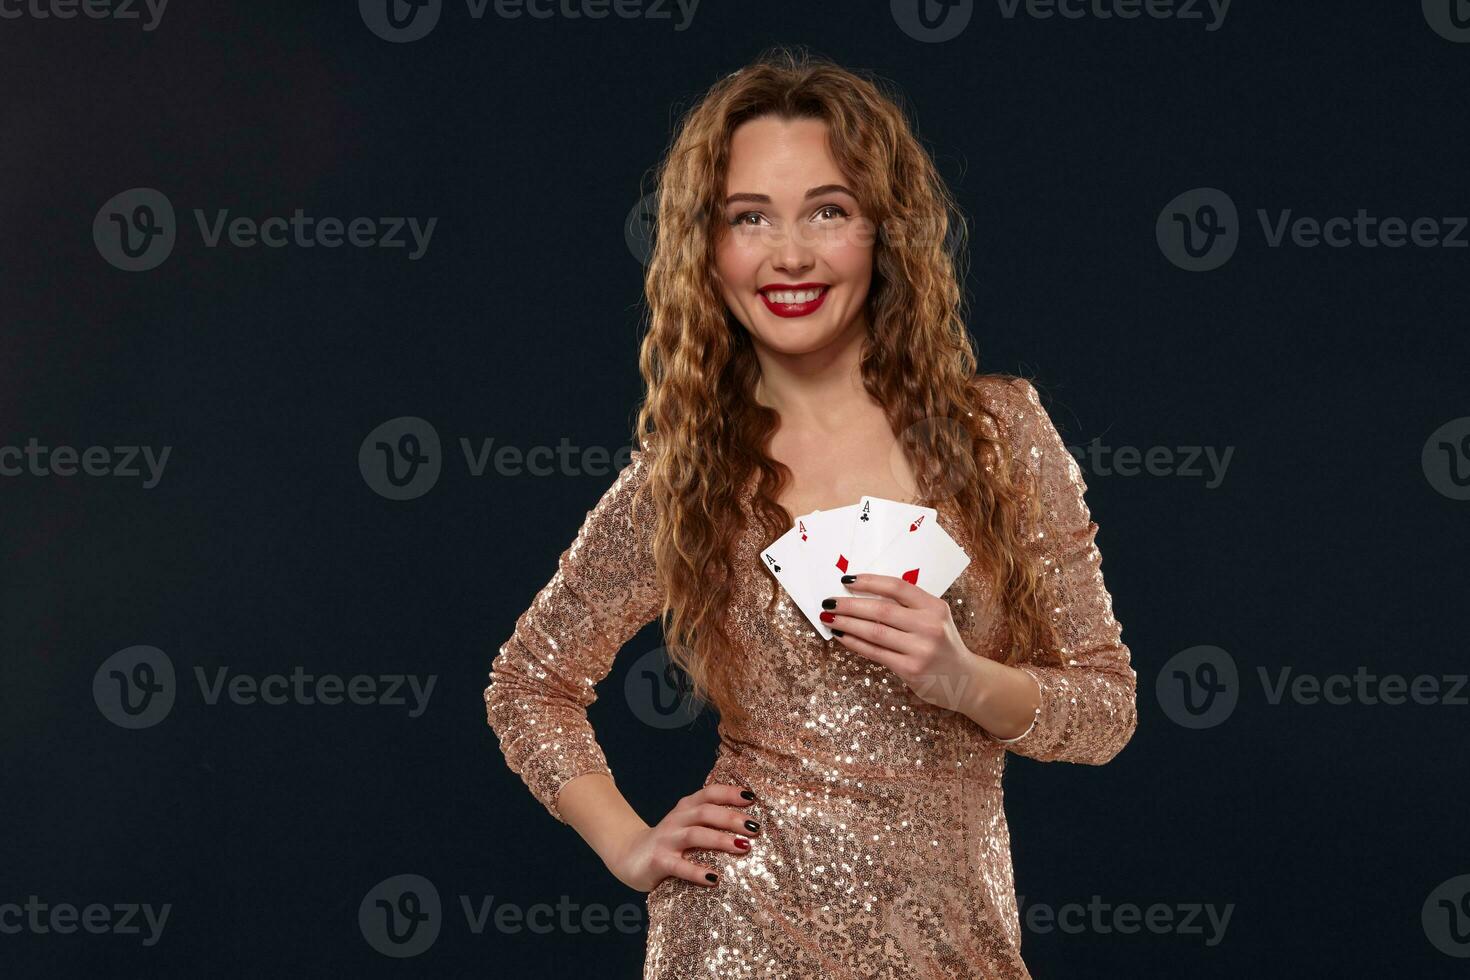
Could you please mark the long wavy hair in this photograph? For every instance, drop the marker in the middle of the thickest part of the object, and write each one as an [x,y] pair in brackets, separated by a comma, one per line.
[700,423]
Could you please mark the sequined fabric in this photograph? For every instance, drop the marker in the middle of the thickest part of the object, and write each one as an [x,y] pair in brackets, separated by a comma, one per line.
[884,850]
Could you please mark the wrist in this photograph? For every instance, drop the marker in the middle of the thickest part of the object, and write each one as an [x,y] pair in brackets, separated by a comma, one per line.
[617,840]
[1006,700]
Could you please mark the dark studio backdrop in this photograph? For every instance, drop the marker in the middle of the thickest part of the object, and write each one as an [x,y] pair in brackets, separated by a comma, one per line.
[1273,429]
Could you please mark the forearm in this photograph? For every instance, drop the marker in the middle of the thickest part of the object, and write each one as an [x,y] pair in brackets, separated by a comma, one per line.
[592,805]
[1001,699]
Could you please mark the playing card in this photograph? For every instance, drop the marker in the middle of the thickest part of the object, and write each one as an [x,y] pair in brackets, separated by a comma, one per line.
[787,558]
[928,558]
[878,521]
[827,558]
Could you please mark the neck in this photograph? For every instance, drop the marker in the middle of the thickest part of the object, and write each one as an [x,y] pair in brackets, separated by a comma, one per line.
[819,390]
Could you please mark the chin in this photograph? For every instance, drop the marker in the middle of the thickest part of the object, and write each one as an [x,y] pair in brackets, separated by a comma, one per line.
[797,341]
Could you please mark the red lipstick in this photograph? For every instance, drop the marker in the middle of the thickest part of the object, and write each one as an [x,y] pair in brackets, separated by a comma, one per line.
[794,309]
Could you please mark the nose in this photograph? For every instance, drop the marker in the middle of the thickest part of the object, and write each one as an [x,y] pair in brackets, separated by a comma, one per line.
[791,253]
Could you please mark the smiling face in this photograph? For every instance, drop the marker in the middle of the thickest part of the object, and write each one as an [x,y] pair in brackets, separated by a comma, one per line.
[794,258]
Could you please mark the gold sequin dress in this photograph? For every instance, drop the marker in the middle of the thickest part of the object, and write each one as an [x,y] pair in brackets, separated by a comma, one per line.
[884,850]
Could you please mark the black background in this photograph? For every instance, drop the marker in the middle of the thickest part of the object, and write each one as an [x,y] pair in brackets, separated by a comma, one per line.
[1325,547]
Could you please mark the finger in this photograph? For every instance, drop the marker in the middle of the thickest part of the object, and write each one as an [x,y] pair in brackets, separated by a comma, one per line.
[724,793]
[876,610]
[880,655]
[714,840]
[729,794]
[679,867]
[879,634]
[723,818]
[892,587]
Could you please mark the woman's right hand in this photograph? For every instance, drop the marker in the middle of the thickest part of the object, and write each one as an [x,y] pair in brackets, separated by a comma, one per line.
[701,819]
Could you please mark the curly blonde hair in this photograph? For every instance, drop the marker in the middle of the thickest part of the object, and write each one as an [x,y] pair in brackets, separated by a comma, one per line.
[700,423]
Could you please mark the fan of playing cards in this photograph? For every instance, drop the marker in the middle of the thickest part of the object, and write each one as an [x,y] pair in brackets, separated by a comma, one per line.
[874,535]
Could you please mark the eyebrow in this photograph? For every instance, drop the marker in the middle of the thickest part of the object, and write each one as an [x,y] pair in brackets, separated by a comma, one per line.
[814,192]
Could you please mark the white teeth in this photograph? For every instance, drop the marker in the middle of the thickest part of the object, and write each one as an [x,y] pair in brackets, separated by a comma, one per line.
[790,296]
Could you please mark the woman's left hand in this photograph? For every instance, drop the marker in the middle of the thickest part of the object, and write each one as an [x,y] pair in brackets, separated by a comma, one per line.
[911,633]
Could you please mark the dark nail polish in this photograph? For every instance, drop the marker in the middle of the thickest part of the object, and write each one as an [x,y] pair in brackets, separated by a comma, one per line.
[747,794]
[827,617]
[838,633]
[848,579]
[752,826]
[742,843]
[829,603]
[711,877]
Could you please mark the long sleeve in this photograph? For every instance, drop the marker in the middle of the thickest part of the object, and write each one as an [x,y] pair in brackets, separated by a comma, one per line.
[1088,709]
[543,677]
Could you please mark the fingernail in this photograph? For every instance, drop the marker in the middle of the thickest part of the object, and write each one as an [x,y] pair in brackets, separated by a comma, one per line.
[838,633]
[829,617]
[747,794]
[711,878]
[829,603]
[849,579]
[752,826]
[742,843]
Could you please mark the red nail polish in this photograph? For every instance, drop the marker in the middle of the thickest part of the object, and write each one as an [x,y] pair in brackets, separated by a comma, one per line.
[742,843]
[829,617]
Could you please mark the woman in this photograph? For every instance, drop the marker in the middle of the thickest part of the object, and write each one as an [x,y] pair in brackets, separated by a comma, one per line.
[806,347]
